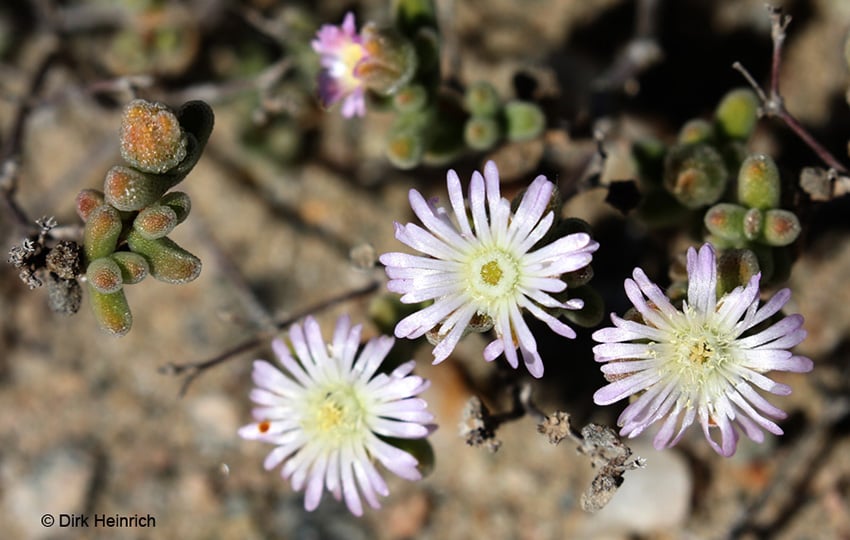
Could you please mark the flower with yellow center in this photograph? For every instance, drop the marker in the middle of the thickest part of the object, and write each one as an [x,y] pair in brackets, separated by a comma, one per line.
[701,361]
[328,413]
[342,50]
[485,270]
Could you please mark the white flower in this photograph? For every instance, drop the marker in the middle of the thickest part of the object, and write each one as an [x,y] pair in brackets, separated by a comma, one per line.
[484,270]
[327,412]
[700,362]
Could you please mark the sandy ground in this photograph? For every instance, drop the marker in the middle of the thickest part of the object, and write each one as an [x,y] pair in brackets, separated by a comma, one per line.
[90,427]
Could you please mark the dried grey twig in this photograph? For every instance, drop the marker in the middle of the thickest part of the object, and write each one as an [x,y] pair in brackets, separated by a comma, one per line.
[609,456]
[641,52]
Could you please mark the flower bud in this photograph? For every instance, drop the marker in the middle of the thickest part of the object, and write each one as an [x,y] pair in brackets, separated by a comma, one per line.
[134,267]
[781,227]
[390,61]
[168,262]
[104,275]
[155,221]
[523,121]
[87,200]
[111,311]
[152,139]
[735,267]
[100,236]
[736,114]
[758,182]
[129,190]
[695,174]
[695,131]
[411,98]
[726,221]
[481,133]
[405,148]
[481,99]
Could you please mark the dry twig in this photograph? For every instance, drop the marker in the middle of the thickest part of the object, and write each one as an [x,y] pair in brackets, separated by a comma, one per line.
[192,370]
[772,104]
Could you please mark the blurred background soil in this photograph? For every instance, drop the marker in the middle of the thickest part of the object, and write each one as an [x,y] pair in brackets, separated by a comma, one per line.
[282,194]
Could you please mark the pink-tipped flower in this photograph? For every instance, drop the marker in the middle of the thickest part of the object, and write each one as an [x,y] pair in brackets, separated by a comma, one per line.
[327,414]
[701,362]
[341,49]
[484,273]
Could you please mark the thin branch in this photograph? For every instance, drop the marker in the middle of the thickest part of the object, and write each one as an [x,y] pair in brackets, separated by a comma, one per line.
[773,105]
[641,52]
[192,370]
[11,152]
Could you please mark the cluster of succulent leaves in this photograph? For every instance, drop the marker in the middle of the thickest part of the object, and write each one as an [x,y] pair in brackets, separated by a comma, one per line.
[434,125]
[159,38]
[126,224]
[707,177]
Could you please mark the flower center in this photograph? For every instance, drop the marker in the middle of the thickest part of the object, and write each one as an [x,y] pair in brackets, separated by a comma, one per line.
[348,58]
[336,412]
[700,352]
[491,275]
[698,355]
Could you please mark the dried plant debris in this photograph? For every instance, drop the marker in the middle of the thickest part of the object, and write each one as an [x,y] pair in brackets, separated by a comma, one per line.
[609,456]
[477,426]
[58,265]
[824,184]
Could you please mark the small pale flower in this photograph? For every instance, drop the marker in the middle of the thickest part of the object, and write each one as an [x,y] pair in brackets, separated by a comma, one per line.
[484,273]
[341,49]
[328,411]
[702,362]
